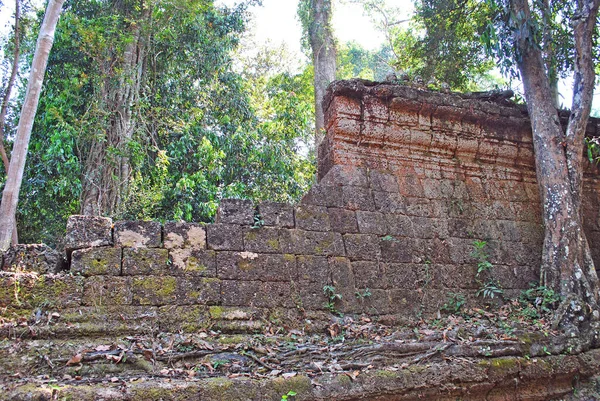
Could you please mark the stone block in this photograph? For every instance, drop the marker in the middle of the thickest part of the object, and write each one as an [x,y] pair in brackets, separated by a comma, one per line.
[301,242]
[311,295]
[373,301]
[400,275]
[145,261]
[375,109]
[370,274]
[96,261]
[276,214]
[198,291]
[342,220]
[313,218]
[407,302]
[409,184]
[88,231]
[37,258]
[397,249]
[135,234]
[383,181]
[178,235]
[107,290]
[256,294]
[225,237]
[235,211]
[357,198]
[371,222]
[460,251]
[192,262]
[341,175]
[362,246]
[342,281]
[425,227]
[154,290]
[313,269]
[187,318]
[255,266]
[321,195]
[388,202]
[454,277]
[52,291]
[261,239]
[399,225]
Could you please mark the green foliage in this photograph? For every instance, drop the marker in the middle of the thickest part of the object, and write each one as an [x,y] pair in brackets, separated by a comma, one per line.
[443,44]
[332,298]
[288,395]
[538,300]
[489,287]
[363,294]
[593,149]
[454,303]
[481,256]
[202,131]
[357,62]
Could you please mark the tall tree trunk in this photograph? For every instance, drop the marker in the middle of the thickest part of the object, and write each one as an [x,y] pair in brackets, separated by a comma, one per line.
[6,99]
[324,58]
[10,195]
[567,266]
[107,168]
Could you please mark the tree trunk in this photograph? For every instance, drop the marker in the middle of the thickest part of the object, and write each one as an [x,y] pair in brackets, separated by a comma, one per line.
[10,195]
[107,169]
[6,99]
[567,266]
[324,58]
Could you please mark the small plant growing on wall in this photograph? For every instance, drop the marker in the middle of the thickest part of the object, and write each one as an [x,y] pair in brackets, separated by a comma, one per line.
[488,287]
[332,298]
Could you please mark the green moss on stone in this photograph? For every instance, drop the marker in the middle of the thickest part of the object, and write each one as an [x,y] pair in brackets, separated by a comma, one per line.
[216,312]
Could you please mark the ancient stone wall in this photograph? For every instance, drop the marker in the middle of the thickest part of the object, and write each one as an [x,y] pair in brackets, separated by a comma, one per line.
[408,181]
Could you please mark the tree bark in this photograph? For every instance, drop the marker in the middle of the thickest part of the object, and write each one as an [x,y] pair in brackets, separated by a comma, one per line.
[6,99]
[10,195]
[107,168]
[567,266]
[324,58]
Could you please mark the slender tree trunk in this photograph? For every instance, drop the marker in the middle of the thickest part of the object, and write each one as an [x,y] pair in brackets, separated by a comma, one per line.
[10,195]
[567,266]
[107,167]
[324,58]
[6,99]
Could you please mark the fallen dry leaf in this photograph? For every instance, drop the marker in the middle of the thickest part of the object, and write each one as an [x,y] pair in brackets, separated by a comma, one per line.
[75,360]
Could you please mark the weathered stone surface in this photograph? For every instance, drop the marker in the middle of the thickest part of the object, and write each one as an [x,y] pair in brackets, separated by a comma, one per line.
[145,261]
[88,231]
[256,266]
[135,234]
[178,235]
[198,291]
[225,237]
[262,239]
[37,258]
[188,318]
[276,214]
[154,290]
[342,220]
[371,223]
[314,218]
[192,262]
[48,291]
[107,290]
[97,261]
[301,242]
[362,246]
[321,195]
[344,175]
[256,293]
[235,211]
